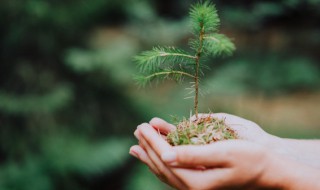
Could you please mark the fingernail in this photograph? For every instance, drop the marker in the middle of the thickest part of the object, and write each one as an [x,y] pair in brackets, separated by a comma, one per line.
[143,124]
[153,119]
[133,153]
[169,157]
[136,134]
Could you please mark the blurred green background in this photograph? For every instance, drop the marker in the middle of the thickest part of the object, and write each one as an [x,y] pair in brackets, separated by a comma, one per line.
[69,106]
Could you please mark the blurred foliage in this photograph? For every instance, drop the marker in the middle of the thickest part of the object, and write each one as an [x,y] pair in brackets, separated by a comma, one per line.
[259,14]
[45,103]
[68,105]
[62,157]
[268,74]
[56,123]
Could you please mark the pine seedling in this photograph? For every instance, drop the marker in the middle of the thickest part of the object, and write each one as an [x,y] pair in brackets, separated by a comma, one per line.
[174,63]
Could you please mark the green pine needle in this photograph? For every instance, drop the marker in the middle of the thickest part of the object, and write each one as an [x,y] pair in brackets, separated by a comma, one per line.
[162,58]
[204,16]
[173,63]
[165,74]
[218,45]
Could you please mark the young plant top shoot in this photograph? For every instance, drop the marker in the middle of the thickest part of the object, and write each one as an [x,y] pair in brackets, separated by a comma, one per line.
[177,64]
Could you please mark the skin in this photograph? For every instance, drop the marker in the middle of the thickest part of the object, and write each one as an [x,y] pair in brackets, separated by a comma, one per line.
[249,163]
[303,151]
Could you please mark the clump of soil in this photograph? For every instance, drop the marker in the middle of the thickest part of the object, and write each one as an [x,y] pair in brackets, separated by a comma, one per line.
[201,131]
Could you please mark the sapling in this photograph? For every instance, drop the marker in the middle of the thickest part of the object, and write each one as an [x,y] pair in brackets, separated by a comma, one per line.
[177,64]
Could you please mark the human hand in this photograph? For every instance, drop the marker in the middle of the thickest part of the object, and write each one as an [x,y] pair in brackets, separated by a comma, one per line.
[304,151]
[245,129]
[228,164]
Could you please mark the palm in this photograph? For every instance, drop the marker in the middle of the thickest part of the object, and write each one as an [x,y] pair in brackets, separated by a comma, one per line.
[246,130]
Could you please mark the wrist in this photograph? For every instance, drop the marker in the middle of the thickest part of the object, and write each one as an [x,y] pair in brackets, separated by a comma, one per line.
[280,146]
[274,143]
[282,173]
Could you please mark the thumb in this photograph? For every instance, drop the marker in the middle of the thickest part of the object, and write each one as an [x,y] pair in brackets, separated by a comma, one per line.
[212,155]
[161,125]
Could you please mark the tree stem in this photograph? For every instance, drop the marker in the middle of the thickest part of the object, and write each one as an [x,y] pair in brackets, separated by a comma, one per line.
[197,66]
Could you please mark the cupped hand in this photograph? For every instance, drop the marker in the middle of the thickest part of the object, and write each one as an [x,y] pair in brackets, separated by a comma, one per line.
[246,163]
[221,165]
[245,129]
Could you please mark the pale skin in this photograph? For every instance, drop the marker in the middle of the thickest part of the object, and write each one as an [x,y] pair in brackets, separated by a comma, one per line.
[257,161]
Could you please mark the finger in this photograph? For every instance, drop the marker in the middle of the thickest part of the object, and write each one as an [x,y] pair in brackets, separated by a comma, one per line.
[156,141]
[169,176]
[138,152]
[141,154]
[153,157]
[137,135]
[212,155]
[136,132]
[161,125]
[164,173]
[217,178]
